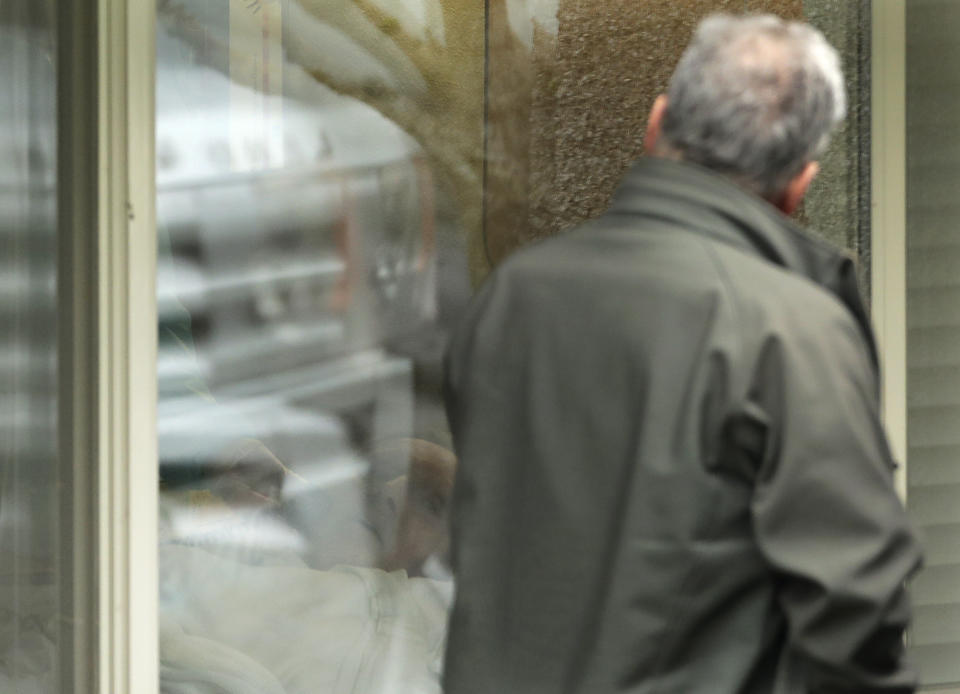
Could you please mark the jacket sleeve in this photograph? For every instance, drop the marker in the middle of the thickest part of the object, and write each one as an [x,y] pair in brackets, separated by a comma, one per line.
[825,513]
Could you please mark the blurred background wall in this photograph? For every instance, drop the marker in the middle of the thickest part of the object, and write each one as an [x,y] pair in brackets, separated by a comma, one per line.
[568,89]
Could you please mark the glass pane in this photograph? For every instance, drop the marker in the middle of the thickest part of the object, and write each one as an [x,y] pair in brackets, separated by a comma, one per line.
[305,226]
[333,181]
[933,329]
[29,476]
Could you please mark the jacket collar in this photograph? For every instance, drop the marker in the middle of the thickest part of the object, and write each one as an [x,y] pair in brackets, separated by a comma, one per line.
[707,203]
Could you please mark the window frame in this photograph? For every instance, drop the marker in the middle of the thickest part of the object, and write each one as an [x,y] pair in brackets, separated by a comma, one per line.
[888,218]
[107,346]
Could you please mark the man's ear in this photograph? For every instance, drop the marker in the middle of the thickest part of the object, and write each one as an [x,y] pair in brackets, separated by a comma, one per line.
[654,123]
[797,188]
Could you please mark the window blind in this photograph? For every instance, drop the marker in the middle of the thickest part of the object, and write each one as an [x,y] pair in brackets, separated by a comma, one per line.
[933,329]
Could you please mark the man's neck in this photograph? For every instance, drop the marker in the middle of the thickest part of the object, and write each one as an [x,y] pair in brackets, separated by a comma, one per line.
[665,151]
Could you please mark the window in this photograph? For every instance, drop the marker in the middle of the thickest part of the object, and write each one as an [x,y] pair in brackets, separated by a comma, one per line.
[330,187]
[32,578]
[304,232]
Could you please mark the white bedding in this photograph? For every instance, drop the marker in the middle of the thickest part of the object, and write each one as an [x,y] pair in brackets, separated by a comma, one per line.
[229,627]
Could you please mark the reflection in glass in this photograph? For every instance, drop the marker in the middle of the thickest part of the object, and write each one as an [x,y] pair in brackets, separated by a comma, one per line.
[29,479]
[304,460]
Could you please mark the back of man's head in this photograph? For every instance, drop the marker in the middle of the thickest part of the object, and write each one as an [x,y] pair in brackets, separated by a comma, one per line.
[754,98]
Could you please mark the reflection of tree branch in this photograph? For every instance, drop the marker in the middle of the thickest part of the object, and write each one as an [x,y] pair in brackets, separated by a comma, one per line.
[354,24]
[421,53]
[422,125]
[446,118]
[433,90]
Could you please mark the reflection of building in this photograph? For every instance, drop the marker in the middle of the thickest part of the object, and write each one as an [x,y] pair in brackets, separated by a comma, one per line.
[289,254]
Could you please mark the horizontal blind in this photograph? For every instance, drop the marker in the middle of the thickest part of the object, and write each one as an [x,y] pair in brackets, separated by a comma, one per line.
[933,328]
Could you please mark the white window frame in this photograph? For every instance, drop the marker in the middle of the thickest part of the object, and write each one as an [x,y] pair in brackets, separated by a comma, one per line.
[107,345]
[888,218]
[129,471]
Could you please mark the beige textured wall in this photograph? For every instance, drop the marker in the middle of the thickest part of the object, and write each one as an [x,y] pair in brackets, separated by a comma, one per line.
[838,203]
[565,121]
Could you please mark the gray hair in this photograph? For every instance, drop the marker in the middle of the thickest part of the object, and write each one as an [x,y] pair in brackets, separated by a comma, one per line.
[754,98]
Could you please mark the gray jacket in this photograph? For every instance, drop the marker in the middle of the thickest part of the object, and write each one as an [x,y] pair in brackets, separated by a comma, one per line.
[673,476]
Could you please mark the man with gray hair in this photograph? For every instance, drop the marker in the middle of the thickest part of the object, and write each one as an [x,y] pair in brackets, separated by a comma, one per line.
[672,472]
